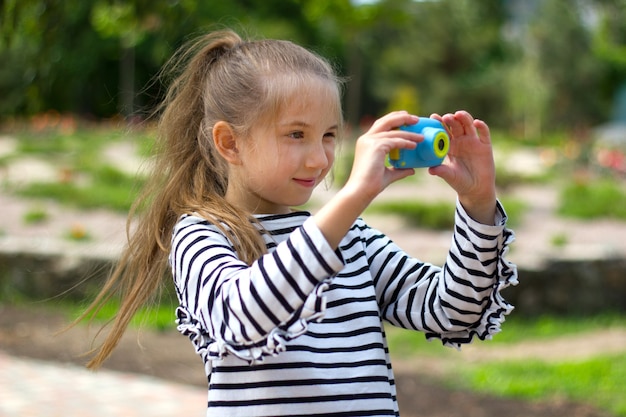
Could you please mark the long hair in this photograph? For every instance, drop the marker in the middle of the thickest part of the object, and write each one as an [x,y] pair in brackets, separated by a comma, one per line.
[218,77]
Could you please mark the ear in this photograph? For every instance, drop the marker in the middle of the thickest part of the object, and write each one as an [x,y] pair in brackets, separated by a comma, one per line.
[226,142]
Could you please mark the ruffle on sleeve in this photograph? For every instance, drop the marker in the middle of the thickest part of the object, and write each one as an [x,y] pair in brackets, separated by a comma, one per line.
[211,347]
[497,307]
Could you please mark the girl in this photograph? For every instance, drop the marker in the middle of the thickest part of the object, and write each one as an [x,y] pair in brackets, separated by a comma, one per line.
[286,308]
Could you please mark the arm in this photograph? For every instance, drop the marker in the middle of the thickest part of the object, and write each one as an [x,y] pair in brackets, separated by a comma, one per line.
[456,302]
[228,306]
[369,175]
[470,168]
[462,299]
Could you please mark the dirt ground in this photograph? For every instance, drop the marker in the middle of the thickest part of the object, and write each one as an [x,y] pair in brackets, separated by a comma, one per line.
[29,331]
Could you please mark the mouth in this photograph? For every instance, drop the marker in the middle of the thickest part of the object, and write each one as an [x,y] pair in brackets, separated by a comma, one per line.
[305,182]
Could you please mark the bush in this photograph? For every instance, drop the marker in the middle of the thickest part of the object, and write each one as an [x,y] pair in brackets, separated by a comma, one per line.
[438,216]
[107,188]
[592,200]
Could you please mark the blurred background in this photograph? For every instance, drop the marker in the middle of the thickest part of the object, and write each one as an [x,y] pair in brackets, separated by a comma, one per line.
[532,67]
[78,79]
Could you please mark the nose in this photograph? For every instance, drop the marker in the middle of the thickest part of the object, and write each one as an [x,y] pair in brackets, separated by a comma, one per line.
[318,156]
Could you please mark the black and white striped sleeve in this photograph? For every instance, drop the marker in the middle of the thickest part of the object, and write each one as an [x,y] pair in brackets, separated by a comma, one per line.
[227,306]
[458,301]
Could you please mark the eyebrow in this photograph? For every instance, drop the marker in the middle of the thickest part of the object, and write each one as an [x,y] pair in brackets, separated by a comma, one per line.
[305,125]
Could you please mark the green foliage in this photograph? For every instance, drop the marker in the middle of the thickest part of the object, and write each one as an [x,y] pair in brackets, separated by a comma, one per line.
[602,198]
[515,210]
[36,215]
[436,215]
[86,180]
[108,188]
[567,72]
[47,138]
[559,240]
[439,215]
[406,343]
[599,381]
[516,329]
[117,20]
[450,53]
[158,316]
[509,64]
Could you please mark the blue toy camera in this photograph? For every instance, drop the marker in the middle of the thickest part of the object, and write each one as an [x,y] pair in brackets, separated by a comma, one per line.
[428,153]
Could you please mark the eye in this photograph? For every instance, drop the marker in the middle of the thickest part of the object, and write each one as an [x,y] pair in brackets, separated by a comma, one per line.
[330,135]
[298,134]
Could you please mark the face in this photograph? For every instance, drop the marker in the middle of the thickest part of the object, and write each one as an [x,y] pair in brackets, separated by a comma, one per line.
[284,160]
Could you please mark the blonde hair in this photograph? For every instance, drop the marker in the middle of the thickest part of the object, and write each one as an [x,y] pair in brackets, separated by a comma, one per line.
[218,77]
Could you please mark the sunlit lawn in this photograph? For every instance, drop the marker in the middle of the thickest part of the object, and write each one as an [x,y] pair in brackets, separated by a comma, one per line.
[598,381]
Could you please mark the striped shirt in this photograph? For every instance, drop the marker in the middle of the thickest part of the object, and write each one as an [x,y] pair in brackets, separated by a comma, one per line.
[300,331]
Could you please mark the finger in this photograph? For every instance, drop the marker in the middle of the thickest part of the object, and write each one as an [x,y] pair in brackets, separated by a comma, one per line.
[435,116]
[455,128]
[440,119]
[396,174]
[442,171]
[392,121]
[384,119]
[483,131]
[401,143]
[398,134]
[467,122]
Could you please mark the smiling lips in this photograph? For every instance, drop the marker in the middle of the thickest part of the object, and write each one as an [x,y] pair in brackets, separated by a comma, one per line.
[305,182]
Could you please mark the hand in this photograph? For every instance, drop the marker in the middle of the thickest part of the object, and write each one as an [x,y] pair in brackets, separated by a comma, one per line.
[469,168]
[369,174]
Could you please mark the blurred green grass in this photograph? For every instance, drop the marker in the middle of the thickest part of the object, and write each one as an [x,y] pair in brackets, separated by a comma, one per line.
[597,381]
[85,179]
[588,200]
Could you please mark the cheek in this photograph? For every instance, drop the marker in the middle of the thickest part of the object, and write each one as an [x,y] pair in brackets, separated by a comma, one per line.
[265,160]
[330,149]
[330,153]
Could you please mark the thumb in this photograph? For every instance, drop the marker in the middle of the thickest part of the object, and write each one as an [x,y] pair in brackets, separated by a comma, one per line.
[442,171]
[398,174]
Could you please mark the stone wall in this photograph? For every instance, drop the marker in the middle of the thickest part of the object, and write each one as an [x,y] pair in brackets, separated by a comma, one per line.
[560,287]
[571,287]
[45,276]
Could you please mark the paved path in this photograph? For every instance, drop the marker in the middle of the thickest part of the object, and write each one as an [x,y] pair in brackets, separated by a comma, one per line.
[43,389]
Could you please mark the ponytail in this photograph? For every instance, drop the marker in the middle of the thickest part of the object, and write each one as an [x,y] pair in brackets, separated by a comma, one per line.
[219,77]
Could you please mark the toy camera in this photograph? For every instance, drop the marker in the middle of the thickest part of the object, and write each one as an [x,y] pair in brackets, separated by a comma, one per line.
[428,153]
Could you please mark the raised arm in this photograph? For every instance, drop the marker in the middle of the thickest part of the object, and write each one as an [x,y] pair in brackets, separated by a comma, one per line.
[369,175]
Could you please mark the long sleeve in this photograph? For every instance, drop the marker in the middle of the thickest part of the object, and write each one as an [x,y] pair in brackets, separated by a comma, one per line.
[310,319]
[227,306]
[454,303]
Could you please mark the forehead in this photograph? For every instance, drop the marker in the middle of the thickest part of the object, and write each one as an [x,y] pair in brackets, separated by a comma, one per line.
[316,98]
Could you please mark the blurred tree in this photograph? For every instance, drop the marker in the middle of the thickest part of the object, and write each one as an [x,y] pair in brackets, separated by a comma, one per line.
[451,51]
[342,21]
[89,56]
[50,54]
[567,64]
[609,45]
[120,21]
